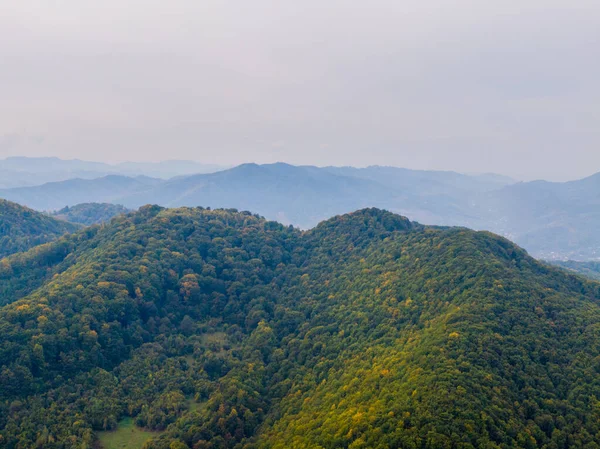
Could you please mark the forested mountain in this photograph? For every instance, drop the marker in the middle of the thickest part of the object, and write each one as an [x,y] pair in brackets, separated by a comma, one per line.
[589,269]
[22,228]
[90,213]
[551,220]
[220,329]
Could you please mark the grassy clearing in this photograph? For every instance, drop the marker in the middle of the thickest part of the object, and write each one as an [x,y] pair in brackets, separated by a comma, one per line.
[127,436]
[197,406]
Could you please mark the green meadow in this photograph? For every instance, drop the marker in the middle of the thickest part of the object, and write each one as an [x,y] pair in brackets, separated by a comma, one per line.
[127,436]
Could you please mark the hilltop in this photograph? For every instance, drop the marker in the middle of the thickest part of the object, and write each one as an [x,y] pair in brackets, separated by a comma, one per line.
[90,213]
[22,228]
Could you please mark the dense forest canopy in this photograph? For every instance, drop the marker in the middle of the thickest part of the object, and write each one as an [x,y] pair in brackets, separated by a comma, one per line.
[223,330]
[22,228]
[90,213]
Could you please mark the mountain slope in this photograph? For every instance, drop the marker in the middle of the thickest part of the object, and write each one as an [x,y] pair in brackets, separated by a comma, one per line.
[588,269]
[223,330]
[90,213]
[22,228]
[552,220]
[57,195]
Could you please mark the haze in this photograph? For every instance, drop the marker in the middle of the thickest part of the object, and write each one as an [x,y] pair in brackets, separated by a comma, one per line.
[504,86]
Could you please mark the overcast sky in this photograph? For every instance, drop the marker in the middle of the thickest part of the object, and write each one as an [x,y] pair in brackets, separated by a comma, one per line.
[510,86]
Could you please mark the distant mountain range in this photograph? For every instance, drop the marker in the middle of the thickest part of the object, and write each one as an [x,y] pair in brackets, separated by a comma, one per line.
[299,195]
[551,220]
[28,171]
[56,195]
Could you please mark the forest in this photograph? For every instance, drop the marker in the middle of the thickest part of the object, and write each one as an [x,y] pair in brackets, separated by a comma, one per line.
[590,269]
[90,213]
[219,329]
[22,228]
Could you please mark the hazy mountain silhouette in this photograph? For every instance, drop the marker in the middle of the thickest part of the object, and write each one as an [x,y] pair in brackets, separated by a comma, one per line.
[551,220]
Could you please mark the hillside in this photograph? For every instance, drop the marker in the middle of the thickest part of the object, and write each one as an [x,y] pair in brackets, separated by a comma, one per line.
[552,220]
[218,329]
[90,213]
[589,269]
[22,228]
[57,195]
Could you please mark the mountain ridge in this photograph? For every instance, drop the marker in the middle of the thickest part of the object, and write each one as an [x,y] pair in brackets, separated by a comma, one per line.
[22,228]
[552,220]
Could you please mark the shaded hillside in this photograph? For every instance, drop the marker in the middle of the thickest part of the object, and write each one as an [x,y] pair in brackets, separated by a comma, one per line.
[224,330]
[90,213]
[57,195]
[22,228]
[552,220]
[587,269]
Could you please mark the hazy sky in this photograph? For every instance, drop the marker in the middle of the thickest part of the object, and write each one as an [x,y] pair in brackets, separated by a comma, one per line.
[511,86]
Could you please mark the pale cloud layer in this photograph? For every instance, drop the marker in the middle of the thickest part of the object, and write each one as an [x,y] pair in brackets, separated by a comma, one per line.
[508,86]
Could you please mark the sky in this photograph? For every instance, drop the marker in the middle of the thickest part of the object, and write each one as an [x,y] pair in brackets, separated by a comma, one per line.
[505,86]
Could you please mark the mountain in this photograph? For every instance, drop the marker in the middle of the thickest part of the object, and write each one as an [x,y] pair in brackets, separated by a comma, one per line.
[165,169]
[90,213]
[31,171]
[293,195]
[219,329]
[299,195]
[552,220]
[56,195]
[22,228]
[13,179]
[427,182]
[589,269]
[305,195]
